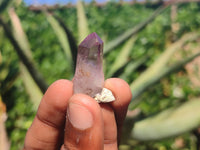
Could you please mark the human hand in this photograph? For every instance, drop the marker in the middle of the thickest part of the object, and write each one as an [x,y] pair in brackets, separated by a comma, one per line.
[77,122]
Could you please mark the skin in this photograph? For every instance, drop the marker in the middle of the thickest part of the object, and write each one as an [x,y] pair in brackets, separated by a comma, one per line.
[52,129]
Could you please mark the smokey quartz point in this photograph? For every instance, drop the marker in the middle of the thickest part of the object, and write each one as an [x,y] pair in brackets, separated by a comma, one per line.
[89,76]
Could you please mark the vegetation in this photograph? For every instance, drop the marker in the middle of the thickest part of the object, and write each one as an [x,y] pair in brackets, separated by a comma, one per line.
[152,46]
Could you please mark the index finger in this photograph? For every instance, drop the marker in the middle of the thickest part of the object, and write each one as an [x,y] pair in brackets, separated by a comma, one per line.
[123,95]
[46,131]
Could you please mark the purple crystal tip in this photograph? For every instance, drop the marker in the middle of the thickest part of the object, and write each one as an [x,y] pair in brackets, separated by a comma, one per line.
[89,76]
[91,40]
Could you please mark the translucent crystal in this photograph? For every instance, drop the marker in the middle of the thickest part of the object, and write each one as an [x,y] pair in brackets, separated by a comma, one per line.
[89,76]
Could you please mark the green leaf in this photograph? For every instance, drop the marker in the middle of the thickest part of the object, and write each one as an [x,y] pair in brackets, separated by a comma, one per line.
[4,5]
[62,37]
[132,66]
[122,57]
[71,39]
[169,123]
[0,58]
[83,29]
[19,33]
[31,87]
[166,71]
[38,78]
[151,75]
[130,32]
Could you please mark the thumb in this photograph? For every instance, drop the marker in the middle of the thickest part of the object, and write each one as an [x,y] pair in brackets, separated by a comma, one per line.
[84,124]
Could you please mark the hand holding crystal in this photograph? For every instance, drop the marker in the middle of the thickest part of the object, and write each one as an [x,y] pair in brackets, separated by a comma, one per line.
[77,122]
[86,114]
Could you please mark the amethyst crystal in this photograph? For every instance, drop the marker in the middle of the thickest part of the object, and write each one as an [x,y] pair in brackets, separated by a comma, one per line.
[89,76]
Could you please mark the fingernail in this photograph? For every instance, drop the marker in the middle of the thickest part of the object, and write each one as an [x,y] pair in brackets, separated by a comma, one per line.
[79,116]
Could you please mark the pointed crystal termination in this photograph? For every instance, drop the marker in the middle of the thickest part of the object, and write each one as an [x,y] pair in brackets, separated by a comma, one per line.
[89,76]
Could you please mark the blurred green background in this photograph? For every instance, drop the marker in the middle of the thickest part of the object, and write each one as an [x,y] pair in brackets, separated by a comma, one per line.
[153,45]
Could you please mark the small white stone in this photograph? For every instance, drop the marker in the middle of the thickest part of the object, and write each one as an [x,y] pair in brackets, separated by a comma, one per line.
[105,96]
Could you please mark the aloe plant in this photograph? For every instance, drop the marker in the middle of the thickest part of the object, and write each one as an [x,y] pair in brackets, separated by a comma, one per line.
[123,57]
[32,88]
[82,21]
[4,5]
[171,122]
[151,75]
[130,32]
[29,64]
[59,31]
[71,39]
